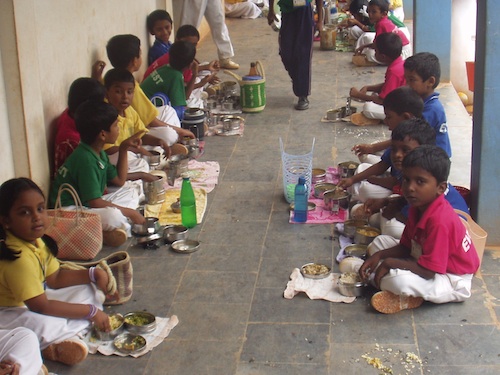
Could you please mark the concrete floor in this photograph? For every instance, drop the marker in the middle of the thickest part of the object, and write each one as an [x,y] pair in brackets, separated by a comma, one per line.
[228,296]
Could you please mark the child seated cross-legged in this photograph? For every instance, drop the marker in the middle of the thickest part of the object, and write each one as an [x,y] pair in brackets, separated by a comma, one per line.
[390,214]
[35,293]
[387,50]
[124,51]
[378,13]
[435,258]
[167,82]
[89,171]
[400,104]
[159,24]
[120,87]
[207,72]
[67,137]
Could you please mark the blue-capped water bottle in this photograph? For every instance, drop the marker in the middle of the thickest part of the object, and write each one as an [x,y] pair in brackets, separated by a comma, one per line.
[300,201]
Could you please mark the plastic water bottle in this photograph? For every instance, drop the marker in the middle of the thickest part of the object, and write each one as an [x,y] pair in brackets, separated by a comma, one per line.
[300,202]
[188,204]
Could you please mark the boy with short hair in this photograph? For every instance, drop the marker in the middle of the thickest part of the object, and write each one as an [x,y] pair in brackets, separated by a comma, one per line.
[89,171]
[422,74]
[159,24]
[167,82]
[120,85]
[387,50]
[370,180]
[67,137]
[400,104]
[435,258]
[124,51]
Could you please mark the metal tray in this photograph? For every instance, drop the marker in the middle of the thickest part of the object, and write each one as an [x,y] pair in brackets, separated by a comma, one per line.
[137,343]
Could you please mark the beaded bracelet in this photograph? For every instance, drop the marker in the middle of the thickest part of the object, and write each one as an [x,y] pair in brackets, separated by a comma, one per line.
[93,311]
[92,274]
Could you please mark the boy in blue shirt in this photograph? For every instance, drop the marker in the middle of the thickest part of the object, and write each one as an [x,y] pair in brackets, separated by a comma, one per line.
[159,24]
[422,74]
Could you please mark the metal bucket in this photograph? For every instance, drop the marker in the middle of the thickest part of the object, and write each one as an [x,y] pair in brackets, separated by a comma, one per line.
[155,191]
[194,120]
[177,165]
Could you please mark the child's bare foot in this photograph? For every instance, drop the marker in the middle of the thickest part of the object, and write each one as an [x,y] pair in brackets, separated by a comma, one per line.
[390,303]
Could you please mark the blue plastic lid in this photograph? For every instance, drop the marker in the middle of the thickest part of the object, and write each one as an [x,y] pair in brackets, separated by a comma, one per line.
[251,78]
[302,180]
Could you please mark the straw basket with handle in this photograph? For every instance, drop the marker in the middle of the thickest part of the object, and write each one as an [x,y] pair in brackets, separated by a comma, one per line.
[252,89]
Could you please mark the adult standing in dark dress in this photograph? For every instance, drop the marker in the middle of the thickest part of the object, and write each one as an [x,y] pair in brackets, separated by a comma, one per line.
[296,42]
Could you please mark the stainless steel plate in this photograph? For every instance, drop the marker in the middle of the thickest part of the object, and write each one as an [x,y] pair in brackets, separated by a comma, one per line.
[129,344]
[315,271]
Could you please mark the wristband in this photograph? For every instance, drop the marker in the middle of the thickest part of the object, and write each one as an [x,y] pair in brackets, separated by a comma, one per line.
[92,274]
[92,312]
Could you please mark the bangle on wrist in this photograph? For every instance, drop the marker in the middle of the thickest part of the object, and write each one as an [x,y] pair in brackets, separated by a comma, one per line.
[92,312]
[92,275]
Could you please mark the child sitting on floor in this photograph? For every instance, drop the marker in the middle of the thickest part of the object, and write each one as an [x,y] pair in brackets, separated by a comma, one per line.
[400,104]
[207,72]
[159,24]
[89,171]
[124,51]
[390,214]
[387,50]
[67,137]
[422,74]
[56,304]
[166,84]
[435,258]
[378,11]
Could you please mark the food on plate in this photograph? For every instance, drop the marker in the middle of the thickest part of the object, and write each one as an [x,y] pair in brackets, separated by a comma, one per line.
[350,278]
[130,345]
[115,321]
[315,269]
[137,320]
[368,232]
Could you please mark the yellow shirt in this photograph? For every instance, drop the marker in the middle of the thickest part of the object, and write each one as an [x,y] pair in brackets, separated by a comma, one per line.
[129,125]
[143,106]
[24,278]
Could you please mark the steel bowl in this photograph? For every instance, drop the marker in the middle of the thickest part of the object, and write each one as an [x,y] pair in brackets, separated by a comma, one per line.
[351,290]
[365,235]
[347,168]
[173,233]
[321,188]
[336,200]
[150,226]
[129,343]
[185,246]
[318,175]
[356,250]
[140,322]
[117,323]
[351,225]
[153,159]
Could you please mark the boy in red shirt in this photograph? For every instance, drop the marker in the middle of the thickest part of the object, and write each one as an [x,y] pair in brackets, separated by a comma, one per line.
[435,258]
[388,50]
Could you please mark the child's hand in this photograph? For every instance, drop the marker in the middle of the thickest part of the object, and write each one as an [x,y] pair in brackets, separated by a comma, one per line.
[134,216]
[101,321]
[148,177]
[133,141]
[373,205]
[214,66]
[345,183]
[9,368]
[97,69]
[354,92]
[362,149]
[101,279]
[166,149]
[184,133]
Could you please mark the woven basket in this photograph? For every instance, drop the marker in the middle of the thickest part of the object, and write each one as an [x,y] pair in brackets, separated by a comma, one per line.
[295,166]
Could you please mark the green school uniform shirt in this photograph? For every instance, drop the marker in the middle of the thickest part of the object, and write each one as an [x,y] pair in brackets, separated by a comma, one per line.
[87,172]
[166,80]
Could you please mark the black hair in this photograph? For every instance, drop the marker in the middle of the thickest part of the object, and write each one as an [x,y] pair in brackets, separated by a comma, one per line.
[383,5]
[359,8]
[83,89]
[157,15]
[404,99]
[118,75]
[181,54]
[9,193]
[123,49]
[426,65]
[389,44]
[415,128]
[185,31]
[430,158]
[92,117]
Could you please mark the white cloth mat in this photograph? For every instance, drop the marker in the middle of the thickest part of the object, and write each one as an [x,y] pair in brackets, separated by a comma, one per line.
[153,339]
[315,288]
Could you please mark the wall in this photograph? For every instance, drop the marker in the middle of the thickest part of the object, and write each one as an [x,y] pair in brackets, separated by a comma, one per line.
[44,46]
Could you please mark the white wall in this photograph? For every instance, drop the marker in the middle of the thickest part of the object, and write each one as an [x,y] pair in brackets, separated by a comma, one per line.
[463,39]
[44,46]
